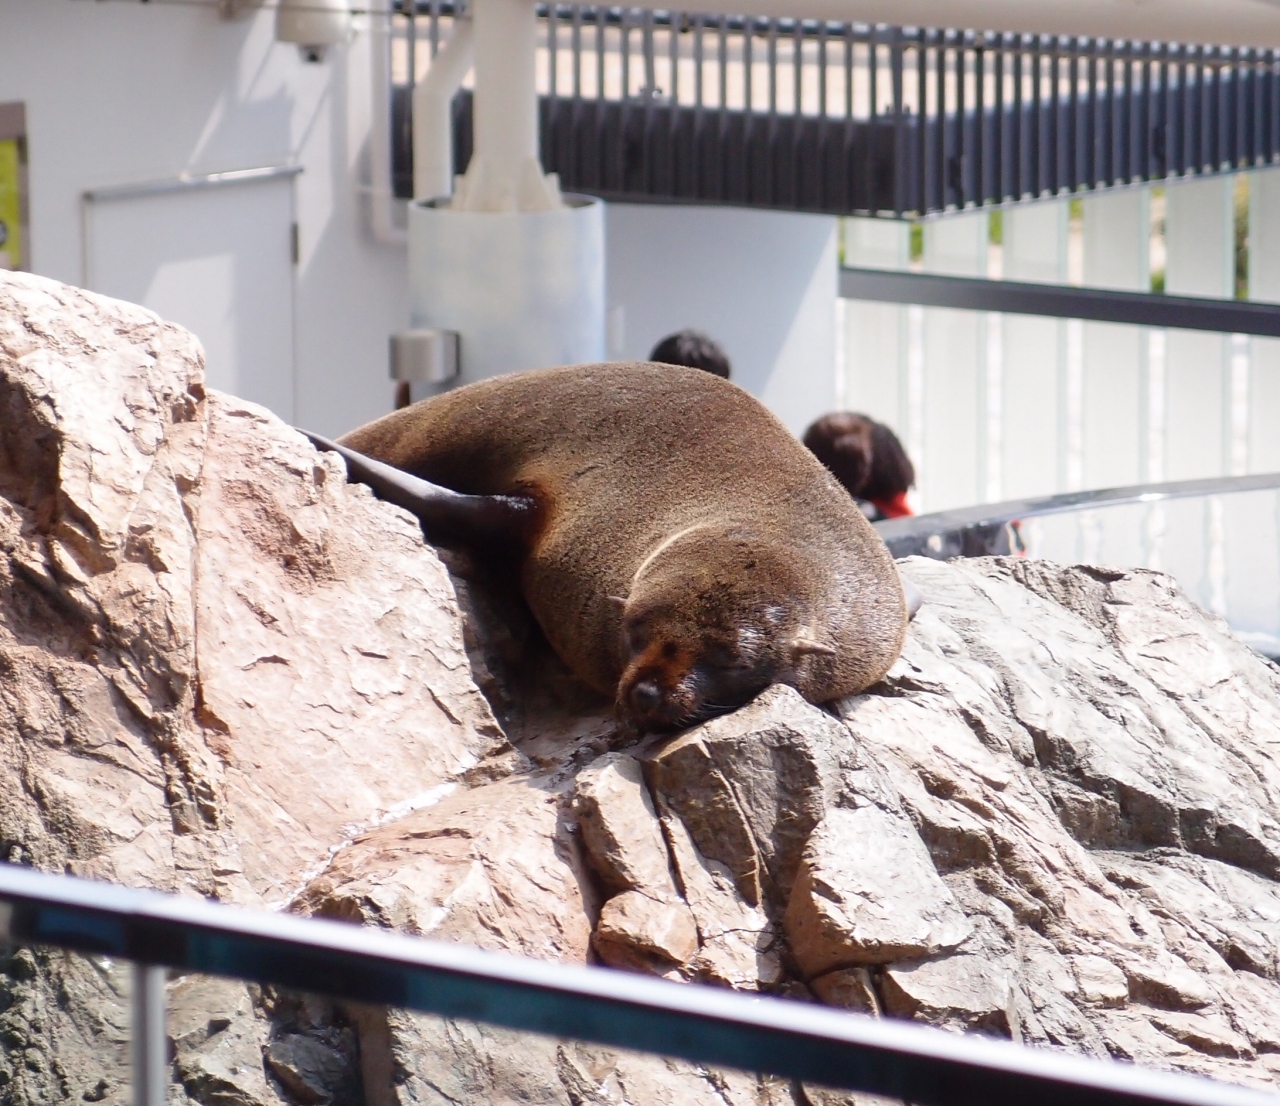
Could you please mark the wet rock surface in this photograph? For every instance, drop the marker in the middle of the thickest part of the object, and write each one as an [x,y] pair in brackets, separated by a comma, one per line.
[226,672]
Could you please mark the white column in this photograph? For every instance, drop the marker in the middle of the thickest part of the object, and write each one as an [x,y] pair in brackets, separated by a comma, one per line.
[1200,239]
[1114,425]
[874,334]
[950,467]
[1200,262]
[1106,423]
[1264,284]
[1032,412]
[1253,521]
[505,173]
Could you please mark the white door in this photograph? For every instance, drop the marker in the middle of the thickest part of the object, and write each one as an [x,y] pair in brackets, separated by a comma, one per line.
[216,259]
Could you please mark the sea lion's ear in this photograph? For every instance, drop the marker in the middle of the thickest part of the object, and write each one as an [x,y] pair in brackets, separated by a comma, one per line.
[803,645]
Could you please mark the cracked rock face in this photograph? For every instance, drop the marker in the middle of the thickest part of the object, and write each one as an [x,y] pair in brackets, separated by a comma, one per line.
[226,672]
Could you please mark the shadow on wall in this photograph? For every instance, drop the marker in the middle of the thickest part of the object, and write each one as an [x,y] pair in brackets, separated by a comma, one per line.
[762,283]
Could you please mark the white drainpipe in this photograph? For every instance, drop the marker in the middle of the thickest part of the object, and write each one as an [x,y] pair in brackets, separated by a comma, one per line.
[433,115]
[381,199]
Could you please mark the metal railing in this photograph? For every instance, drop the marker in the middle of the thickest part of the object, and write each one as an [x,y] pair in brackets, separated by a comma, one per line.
[978,531]
[1224,552]
[847,118]
[706,1025]
[1062,301]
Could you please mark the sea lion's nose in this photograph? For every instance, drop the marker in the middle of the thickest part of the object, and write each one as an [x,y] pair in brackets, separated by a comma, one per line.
[646,697]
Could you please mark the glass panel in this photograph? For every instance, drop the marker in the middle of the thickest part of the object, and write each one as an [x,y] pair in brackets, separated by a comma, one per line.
[1224,550]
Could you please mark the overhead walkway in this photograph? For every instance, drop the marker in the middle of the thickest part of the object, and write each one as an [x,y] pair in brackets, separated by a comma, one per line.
[845,118]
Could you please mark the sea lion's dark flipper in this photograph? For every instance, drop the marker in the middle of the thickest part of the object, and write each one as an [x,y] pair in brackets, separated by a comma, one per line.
[915,597]
[444,513]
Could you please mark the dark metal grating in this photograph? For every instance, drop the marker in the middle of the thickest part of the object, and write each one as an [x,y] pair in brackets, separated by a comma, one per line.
[1005,117]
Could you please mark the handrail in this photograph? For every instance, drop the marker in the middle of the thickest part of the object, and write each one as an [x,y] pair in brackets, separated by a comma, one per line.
[942,533]
[702,1024]
[1063,301]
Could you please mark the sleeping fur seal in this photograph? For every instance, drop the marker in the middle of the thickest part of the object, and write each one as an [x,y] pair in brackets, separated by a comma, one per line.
[679,548]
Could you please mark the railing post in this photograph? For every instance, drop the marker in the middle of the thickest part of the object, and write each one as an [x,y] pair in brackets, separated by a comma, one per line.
[147,1036]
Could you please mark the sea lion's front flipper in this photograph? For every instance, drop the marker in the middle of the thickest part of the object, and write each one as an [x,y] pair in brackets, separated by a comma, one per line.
[915,597]
[444,513]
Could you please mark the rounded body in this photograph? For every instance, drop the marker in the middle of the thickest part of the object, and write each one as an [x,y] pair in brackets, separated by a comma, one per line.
[683,533]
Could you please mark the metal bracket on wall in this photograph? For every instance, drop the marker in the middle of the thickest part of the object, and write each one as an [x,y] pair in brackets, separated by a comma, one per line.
[424,356]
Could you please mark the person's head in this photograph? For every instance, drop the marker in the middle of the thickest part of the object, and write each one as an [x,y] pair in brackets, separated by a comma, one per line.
[694,349]
[866,457]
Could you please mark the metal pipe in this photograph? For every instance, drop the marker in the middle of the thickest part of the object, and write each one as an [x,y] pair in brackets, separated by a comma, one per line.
[147,1038]
[433,114]
[1062,301]
[185,183]
[381,191]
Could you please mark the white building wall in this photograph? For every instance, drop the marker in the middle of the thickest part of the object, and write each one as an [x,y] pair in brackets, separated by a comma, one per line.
[121,92]
[761,283]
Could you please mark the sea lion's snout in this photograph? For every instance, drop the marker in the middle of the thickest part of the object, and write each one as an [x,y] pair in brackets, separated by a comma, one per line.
[685,675]
[645,697]
[656,690]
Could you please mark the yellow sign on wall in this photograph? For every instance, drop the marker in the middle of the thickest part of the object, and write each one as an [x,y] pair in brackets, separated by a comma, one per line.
[12,249]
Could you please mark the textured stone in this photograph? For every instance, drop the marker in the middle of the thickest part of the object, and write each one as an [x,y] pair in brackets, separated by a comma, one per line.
[751,786]
[848,988]
[620,828]
[632,923]
[968,992]
[868,893]
[1100,981]
[489,866]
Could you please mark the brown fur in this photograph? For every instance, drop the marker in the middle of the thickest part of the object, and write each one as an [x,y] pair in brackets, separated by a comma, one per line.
[740,559]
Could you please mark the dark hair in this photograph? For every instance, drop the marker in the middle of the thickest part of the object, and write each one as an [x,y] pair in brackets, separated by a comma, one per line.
[864,455]
[694,349]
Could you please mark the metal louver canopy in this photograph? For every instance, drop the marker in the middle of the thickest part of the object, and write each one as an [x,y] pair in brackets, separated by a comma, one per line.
[1217,22]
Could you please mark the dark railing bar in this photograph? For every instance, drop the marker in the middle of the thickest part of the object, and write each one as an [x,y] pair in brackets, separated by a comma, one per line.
[707,1025]
[1060,301]
[908,536]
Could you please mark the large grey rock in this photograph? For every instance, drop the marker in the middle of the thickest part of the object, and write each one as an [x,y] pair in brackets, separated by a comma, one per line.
[227,672]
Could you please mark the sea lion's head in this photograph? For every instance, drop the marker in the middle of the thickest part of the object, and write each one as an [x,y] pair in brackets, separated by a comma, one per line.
[712,619]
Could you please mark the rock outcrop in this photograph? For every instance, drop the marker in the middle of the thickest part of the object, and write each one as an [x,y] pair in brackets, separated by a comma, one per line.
[227,672]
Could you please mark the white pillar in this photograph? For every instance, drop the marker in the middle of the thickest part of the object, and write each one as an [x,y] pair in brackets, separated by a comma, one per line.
[505,173]
[1200,241]
[950,467]
[1200,263]
[1032,412]
[1114,424]
[433,114]
[1264,284]
[1254,556]
[874,336]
